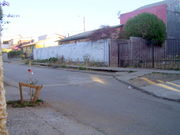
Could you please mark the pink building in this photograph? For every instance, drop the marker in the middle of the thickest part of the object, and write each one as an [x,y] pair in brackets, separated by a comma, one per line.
[159,9]
[167,10]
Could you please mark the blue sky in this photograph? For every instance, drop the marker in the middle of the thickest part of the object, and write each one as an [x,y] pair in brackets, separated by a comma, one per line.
[38,17]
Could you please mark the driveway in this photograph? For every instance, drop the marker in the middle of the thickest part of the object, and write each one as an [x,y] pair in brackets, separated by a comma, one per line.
[102,102]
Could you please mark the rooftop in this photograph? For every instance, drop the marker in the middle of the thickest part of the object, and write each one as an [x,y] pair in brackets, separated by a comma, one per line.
[84,34]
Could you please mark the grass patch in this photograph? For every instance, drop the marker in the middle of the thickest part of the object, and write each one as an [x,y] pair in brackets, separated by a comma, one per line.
[82,68]
[131,71]
[63,66]
[18,104]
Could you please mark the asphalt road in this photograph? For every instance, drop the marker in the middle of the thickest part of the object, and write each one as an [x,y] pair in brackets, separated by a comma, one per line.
[102,102]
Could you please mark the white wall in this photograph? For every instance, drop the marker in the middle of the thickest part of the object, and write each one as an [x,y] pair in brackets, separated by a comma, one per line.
[97,51]
[5,56]
[6,46]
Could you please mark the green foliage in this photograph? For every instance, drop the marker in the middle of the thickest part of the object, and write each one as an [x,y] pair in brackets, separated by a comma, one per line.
[82,68]
[147,26]
[63,66]
[50,60]
[53,59]
[18,104]
[15,54]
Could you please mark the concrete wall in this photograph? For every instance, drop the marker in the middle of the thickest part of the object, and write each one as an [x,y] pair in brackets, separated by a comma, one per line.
[6,46]
[173,19]
[5,56]
[96,51]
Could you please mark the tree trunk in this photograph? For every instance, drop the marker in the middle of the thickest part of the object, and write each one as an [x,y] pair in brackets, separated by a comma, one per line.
[3,114]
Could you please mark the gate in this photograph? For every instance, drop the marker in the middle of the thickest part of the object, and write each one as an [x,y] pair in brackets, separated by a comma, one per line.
[124,49]
[137,53]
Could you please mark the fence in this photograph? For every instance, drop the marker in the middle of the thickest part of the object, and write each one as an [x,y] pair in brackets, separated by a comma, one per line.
[136,52]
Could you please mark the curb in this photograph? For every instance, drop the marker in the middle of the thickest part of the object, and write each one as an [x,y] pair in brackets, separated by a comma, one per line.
[87,70]
[146,92]
[83,68]
[11,82]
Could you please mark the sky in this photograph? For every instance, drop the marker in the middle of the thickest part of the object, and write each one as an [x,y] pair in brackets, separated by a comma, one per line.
[65,17]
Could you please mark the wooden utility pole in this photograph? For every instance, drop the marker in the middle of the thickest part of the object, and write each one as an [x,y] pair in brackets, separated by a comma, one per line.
[84,24]
[3,114]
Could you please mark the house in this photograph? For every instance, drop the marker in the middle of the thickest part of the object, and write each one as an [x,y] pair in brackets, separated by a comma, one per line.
[6,45]
[42,42]
[168,11]
[87,46]
[15,42]
[28,49]
[48,40]
[102,33]
[9,41]
[22,42]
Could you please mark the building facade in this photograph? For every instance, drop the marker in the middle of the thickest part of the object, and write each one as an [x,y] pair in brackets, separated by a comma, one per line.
[168,11]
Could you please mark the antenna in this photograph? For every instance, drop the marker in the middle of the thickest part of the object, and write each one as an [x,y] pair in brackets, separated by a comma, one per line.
[118,14]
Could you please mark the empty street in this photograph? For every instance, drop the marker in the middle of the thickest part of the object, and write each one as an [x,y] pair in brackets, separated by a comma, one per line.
[101,102]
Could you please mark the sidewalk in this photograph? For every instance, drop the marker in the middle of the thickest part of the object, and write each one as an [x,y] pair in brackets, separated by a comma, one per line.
[41,120]
[166,87]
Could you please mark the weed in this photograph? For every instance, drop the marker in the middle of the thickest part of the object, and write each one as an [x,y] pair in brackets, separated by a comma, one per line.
[82,68]
[18,104]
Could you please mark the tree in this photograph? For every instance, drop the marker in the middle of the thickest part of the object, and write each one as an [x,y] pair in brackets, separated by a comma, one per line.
[147,26]
[3,114]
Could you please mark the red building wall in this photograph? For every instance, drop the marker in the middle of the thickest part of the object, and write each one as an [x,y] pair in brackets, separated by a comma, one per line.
[160,11]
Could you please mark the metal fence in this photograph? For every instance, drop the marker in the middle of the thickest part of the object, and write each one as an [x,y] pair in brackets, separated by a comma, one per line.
[138,53]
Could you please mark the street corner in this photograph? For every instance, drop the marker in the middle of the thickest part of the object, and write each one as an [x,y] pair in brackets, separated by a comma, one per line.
[164,85]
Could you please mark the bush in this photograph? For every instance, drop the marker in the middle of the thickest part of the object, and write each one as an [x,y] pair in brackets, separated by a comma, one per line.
[15,54]
[147,26]
[53,59]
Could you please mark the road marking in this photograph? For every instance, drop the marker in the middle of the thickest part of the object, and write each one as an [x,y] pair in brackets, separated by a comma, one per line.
[176,85]
[160,85]
[170,83]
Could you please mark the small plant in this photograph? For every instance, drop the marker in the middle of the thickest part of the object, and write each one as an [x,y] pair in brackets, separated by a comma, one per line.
[97,64]
[30,83]
[61,59]
[86,59]
[53,60]
[15,54]
[63,66]
[18,104]
[82,68]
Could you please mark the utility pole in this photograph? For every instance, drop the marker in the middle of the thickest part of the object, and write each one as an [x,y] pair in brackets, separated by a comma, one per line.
[84,24]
